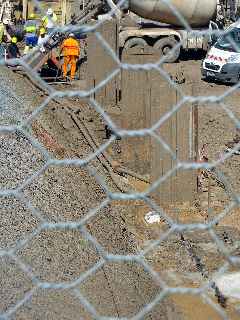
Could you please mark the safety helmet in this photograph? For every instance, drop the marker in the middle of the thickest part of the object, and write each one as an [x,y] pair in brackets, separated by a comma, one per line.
[42,31]
[32,16]
[71,35]
[14,39]
[49,11]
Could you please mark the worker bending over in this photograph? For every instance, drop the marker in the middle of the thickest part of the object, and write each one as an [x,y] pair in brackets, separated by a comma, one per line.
[71,51]
[12,50]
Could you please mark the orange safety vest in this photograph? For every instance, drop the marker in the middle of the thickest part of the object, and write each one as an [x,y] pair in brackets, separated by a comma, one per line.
[70,47]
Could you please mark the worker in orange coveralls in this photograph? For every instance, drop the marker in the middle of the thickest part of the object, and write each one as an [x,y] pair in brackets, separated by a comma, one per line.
[71,51]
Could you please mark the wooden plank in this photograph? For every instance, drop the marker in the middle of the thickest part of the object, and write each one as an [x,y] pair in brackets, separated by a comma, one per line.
[183,118]
[174,187]
[187,179]
[64,12]
[134,104]
[180,133]
[101,64]
[163,98]
[25,9]
[189,138]
[110,33]
[135,107]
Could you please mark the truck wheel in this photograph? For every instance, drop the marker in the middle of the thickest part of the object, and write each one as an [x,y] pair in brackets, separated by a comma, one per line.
[135,42]
[165,45]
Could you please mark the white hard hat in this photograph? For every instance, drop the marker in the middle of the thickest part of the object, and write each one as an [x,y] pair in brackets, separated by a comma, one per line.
[49,11]
[71,35]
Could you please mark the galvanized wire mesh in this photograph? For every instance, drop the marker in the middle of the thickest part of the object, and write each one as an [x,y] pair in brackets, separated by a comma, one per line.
[15,190]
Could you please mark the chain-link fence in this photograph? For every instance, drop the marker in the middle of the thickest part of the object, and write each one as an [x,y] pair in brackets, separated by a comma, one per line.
[77,240]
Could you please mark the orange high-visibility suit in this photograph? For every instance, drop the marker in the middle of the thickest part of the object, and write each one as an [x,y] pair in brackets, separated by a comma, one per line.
[71,52]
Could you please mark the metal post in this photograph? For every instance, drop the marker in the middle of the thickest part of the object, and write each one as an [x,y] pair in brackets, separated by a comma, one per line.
[25,9]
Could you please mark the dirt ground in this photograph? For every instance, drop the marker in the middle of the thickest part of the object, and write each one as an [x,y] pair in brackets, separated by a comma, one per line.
[216,128]
[61,194]
[69,193]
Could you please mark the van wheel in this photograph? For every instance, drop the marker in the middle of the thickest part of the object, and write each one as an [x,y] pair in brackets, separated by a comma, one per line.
[135,42]
[166,46]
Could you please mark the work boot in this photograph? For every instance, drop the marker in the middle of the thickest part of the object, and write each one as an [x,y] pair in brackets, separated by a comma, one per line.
[64,78]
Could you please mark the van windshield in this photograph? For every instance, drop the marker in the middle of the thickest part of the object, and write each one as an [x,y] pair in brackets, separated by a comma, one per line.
[229,41]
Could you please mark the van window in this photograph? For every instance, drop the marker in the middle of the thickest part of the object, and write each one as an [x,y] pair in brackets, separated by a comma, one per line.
[229,41]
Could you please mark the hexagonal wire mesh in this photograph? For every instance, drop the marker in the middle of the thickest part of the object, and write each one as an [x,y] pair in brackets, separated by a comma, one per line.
[17,259]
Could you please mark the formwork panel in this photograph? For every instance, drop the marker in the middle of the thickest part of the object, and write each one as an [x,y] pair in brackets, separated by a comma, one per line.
[101,64]
[135,110]
[180,134]
[147,96]
[163,98]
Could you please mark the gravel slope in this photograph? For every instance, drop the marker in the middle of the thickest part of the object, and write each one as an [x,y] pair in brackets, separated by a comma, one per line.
[61,194]
[67,194]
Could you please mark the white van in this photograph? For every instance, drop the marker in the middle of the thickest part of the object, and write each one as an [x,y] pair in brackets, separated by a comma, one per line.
[223,59]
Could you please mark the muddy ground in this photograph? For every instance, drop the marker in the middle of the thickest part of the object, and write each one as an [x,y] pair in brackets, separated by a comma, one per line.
[68,193]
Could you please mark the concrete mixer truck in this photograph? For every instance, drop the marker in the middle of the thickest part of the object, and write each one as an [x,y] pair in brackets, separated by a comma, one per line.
[160,27]
[171,30]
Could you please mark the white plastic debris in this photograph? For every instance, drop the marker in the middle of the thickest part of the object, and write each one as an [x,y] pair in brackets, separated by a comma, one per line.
[103,17]
[229,285]
[152,217]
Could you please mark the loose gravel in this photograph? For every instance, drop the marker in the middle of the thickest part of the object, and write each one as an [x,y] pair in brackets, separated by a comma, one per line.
[61,194]
[18,160]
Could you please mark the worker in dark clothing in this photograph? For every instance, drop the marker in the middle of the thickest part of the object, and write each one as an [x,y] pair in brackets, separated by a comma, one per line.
[232,4]
[12,50]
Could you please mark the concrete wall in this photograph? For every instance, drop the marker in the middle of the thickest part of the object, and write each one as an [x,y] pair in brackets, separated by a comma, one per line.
[144,97]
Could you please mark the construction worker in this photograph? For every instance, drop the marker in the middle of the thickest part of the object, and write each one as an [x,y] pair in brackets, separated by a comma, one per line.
[49,20]
[42,39]
[71,52]
[3,48]
[233,8]
[30,29]
[12,50]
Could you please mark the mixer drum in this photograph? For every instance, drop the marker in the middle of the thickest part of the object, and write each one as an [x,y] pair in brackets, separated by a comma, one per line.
[197,13]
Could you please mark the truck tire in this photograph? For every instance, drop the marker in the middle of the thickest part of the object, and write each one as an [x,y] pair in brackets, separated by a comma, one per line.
[135,42]
[165,45]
